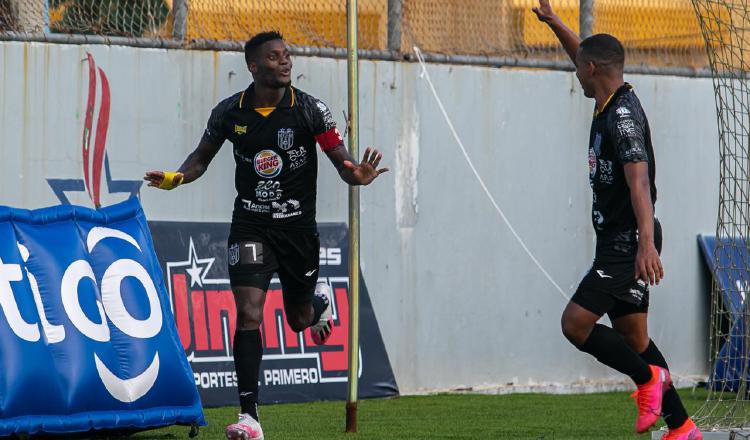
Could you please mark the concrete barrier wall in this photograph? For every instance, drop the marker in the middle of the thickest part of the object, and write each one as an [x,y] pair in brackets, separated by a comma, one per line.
[459,302]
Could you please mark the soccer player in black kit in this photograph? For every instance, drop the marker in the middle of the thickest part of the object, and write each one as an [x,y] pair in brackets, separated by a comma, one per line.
[274,128]
[622,174]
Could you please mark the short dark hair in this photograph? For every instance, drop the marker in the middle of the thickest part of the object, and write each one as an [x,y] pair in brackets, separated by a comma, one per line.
[605,50]
[254,43]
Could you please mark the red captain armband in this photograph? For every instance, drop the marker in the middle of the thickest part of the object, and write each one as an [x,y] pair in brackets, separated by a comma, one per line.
[329,140]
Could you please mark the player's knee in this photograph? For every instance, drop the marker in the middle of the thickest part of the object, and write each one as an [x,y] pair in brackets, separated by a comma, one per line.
[298,321]
[574,331]
[249,317]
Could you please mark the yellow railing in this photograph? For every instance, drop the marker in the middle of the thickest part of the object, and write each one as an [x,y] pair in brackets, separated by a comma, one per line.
[659,32]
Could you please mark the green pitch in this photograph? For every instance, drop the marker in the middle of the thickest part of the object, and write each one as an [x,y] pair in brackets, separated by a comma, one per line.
[515,417]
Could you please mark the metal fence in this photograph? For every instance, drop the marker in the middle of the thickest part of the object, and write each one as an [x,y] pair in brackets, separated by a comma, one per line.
[661,36]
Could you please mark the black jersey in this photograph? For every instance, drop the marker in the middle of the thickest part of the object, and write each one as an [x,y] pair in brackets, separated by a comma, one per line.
[275,158]
[619,134]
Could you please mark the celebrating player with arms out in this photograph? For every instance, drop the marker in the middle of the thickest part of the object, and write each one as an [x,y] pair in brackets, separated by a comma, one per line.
[273,127]
[628,236]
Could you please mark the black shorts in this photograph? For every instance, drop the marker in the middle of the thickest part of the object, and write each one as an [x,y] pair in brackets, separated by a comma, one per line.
[255,253]
[612,289]
[610,286]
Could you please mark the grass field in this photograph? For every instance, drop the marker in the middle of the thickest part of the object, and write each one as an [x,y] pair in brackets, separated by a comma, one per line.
[602,416]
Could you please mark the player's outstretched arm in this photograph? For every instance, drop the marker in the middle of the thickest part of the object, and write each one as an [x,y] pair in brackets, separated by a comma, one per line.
[569,39]
[353,173]
[648,265]
[194,166]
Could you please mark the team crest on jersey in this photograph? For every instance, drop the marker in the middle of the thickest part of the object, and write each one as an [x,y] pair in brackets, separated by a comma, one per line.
[598,144]
[286,138]
[234,254]
[240,129]
[268,164]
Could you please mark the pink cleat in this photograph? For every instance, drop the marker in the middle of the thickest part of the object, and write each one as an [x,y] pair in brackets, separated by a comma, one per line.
[321,330]
[648,397]
[688,431]
[247,428]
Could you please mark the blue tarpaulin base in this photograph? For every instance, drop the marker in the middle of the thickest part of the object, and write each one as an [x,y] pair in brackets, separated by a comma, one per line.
[730,266]
[87,334]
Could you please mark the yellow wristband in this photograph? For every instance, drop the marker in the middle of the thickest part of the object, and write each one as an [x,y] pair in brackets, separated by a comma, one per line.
[171,180]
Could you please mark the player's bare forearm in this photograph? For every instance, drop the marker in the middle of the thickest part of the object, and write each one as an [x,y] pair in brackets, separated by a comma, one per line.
[355,173]
[197,162]
[569,39]
[648,265]
[191,169]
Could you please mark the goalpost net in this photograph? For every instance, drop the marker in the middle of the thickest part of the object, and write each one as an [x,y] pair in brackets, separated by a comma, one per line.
[725,25]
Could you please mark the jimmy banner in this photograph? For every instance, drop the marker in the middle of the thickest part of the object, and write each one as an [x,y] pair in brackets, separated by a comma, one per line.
[294,369]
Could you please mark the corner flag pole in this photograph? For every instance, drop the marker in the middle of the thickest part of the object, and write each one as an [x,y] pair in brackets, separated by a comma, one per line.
[353,80]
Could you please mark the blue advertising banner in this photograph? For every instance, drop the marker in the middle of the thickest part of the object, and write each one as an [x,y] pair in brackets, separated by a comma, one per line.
[730,266]
[294,369]
[87,337]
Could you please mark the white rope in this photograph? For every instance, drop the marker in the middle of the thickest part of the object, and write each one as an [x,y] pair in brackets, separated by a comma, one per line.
[426,76]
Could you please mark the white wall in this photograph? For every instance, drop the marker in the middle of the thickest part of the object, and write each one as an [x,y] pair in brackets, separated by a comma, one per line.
[458,301]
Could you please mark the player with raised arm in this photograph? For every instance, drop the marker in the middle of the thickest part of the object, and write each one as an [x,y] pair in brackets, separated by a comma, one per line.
[622,174]
[273,128]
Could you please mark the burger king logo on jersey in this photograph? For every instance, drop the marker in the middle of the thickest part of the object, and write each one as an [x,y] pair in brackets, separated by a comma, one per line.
[268,164]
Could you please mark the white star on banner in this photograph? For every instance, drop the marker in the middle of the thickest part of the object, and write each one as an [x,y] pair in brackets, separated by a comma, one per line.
[199,267]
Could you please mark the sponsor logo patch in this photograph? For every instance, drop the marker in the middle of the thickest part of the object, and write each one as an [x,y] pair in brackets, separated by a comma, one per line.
[639,291]
[290,208]
[635,151]
[606,172]
[626,128]
[268,191]
[297,158]
[251,206]
[268,164]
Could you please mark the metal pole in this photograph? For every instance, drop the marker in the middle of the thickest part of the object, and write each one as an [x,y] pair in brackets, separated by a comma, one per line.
[394,25]
[352,62]
[586,18]
[180,15]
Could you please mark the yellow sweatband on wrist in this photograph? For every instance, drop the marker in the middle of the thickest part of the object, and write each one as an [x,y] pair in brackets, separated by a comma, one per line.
[171,180]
